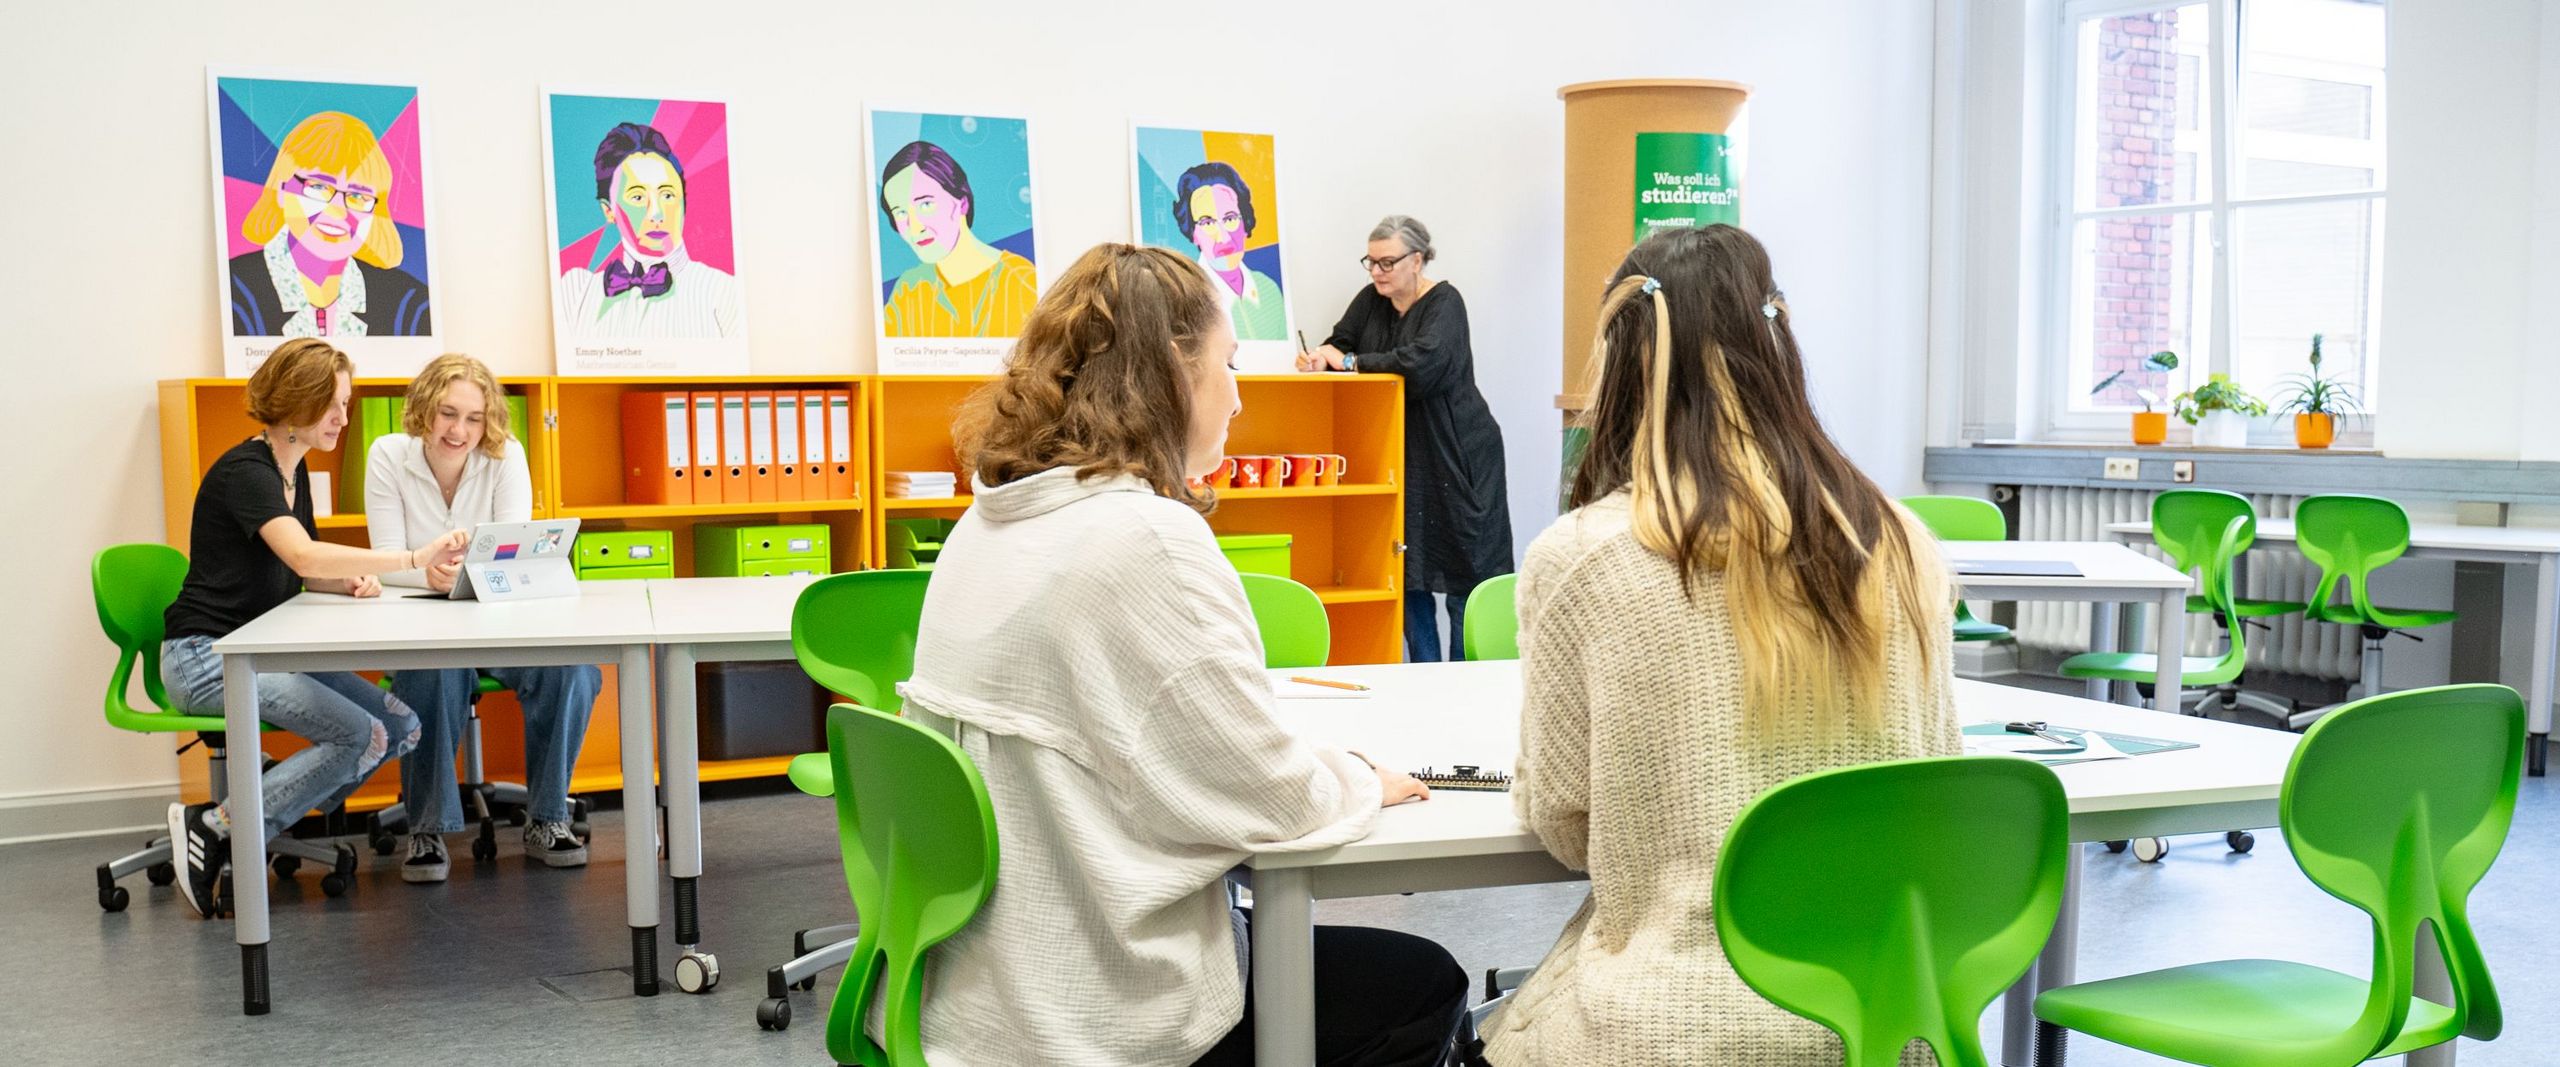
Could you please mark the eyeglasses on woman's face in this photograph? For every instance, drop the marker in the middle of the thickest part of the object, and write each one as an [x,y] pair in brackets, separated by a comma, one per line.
[319,191]
[1382,266]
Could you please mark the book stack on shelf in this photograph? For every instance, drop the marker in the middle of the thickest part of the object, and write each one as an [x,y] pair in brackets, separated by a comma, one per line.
[922,485]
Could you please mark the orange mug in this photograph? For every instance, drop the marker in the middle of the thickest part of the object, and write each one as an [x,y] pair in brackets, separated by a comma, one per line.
[1305,469]
[1224,476]
[1330,467]
[1253,472]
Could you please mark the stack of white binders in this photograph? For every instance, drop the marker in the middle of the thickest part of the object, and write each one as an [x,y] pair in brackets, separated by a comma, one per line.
[925,485]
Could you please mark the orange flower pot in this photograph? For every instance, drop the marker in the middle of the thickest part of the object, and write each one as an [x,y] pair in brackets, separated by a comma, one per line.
[2150,427]
[2314,431]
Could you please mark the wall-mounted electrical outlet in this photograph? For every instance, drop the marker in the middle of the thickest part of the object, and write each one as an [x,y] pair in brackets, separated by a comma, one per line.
[2123,469]
[2183,471]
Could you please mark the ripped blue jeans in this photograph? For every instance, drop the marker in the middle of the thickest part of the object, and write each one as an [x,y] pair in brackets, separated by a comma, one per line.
[353,727]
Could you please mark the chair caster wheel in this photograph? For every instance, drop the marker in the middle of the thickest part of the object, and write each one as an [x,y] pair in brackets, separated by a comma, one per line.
[114,898]
[806,984]
[774,1013]
[342,874]
[333,885]
[697,972]
[385,844]
[2150,849]
[2240,840]
[161,874]
[516,818]
[2117,847]
[284,866]
[484,849]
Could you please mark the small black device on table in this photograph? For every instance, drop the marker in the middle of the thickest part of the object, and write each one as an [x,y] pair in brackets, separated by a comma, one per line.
[1465,777]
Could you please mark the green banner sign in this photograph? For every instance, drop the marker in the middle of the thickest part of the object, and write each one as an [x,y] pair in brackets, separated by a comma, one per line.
[1684,180]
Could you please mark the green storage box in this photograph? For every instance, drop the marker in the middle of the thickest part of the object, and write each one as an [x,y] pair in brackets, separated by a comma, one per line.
[914,544]
[1257,553]
[612,554]
[728,551]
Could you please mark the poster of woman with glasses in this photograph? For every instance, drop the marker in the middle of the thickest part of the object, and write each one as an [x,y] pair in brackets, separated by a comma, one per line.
[1214,195]
[644,260]
[320,209]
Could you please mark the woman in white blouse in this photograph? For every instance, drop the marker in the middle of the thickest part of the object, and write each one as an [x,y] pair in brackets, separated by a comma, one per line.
[1093,652]
[457,467]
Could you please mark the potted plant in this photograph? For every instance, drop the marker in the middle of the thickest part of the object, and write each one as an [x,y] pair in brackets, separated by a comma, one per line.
[2316,401]
[2149,427]
[2220,411]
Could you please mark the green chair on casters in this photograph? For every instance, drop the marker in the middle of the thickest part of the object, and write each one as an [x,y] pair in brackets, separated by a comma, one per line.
[1963,518]
[2194,672]
[1295,632]
[1884,946]
[132,587]
[855,635]
[919,842]
[2350,537]
[2187,524]
[2395,804]
[1493,619]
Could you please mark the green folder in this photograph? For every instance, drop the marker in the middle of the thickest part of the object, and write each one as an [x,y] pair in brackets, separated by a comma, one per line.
[516,422]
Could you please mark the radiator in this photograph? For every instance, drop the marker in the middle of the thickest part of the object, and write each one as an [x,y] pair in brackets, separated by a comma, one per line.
[2290,644]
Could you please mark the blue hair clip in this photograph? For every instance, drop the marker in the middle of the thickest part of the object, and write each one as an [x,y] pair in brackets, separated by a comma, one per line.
[1769,309]
[1651,286]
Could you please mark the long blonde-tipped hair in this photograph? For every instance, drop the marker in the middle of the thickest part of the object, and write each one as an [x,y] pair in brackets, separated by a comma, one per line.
[1700,412]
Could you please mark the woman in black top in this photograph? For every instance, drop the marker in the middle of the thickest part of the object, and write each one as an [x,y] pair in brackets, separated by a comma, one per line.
[253,547]
[1457,523]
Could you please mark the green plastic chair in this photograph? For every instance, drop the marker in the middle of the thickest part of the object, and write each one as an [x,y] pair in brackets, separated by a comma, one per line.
[1295,632]
[855,634]
[2187,524]
[1963,518]
[1492,624]
[1883,945]
[919,841]
[2396,804]
[2194,672]
[2349,537]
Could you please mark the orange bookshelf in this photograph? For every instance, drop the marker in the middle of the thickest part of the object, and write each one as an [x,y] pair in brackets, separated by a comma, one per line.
[1345,540]
[575,455]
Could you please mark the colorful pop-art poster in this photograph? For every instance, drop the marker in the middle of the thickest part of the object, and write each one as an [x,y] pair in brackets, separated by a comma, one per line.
[644,262]
[320,220]
[951,237]
[1214,195]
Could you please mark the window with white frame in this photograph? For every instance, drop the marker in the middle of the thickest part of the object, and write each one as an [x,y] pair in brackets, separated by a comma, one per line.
[2218,192]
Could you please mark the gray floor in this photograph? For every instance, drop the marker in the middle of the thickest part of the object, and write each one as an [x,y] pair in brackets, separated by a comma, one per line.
[511,962]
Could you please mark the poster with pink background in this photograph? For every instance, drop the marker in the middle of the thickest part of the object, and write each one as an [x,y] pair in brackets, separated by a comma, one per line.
[644,268]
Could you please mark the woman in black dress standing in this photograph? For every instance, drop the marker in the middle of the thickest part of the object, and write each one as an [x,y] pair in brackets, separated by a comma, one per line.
[1457,523]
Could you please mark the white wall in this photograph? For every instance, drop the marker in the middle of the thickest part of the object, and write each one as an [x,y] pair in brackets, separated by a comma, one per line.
[1446,112]
[2457,232]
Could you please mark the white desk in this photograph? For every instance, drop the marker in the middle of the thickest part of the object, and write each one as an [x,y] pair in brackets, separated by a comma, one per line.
[2110,573]
[2508,545]
[608,623]
[1444,713]
[705,620]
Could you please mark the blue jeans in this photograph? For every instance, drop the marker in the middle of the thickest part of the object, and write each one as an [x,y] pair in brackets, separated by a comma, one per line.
[557,702]
[352,726]
[1422,627]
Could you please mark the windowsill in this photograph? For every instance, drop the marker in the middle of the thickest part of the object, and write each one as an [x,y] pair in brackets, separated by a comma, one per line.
[2174,445]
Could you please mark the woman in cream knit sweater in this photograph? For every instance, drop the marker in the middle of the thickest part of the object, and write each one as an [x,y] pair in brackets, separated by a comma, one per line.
[1730,604]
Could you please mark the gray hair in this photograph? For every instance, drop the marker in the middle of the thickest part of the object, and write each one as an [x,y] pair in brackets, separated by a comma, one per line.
[1410,231]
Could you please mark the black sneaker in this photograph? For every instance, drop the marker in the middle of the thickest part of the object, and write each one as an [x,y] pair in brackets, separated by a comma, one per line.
[554,844]
[427,861]
[201,853]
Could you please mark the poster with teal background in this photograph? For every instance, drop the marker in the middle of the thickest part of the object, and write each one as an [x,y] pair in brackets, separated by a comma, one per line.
[1214,195]
[950,197]
[320,217]
[1685,180]
[643,257]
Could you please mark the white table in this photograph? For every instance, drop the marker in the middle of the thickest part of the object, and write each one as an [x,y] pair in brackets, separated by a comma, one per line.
[608,623]
[1445,713]
[705,620]
[2507,545]
[2110,573]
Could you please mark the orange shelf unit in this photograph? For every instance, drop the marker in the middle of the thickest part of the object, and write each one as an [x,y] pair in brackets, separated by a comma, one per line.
[201,418]
[589,474]
[1346,540]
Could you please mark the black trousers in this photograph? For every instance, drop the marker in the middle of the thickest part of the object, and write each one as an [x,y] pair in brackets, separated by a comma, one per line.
[1383,999]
